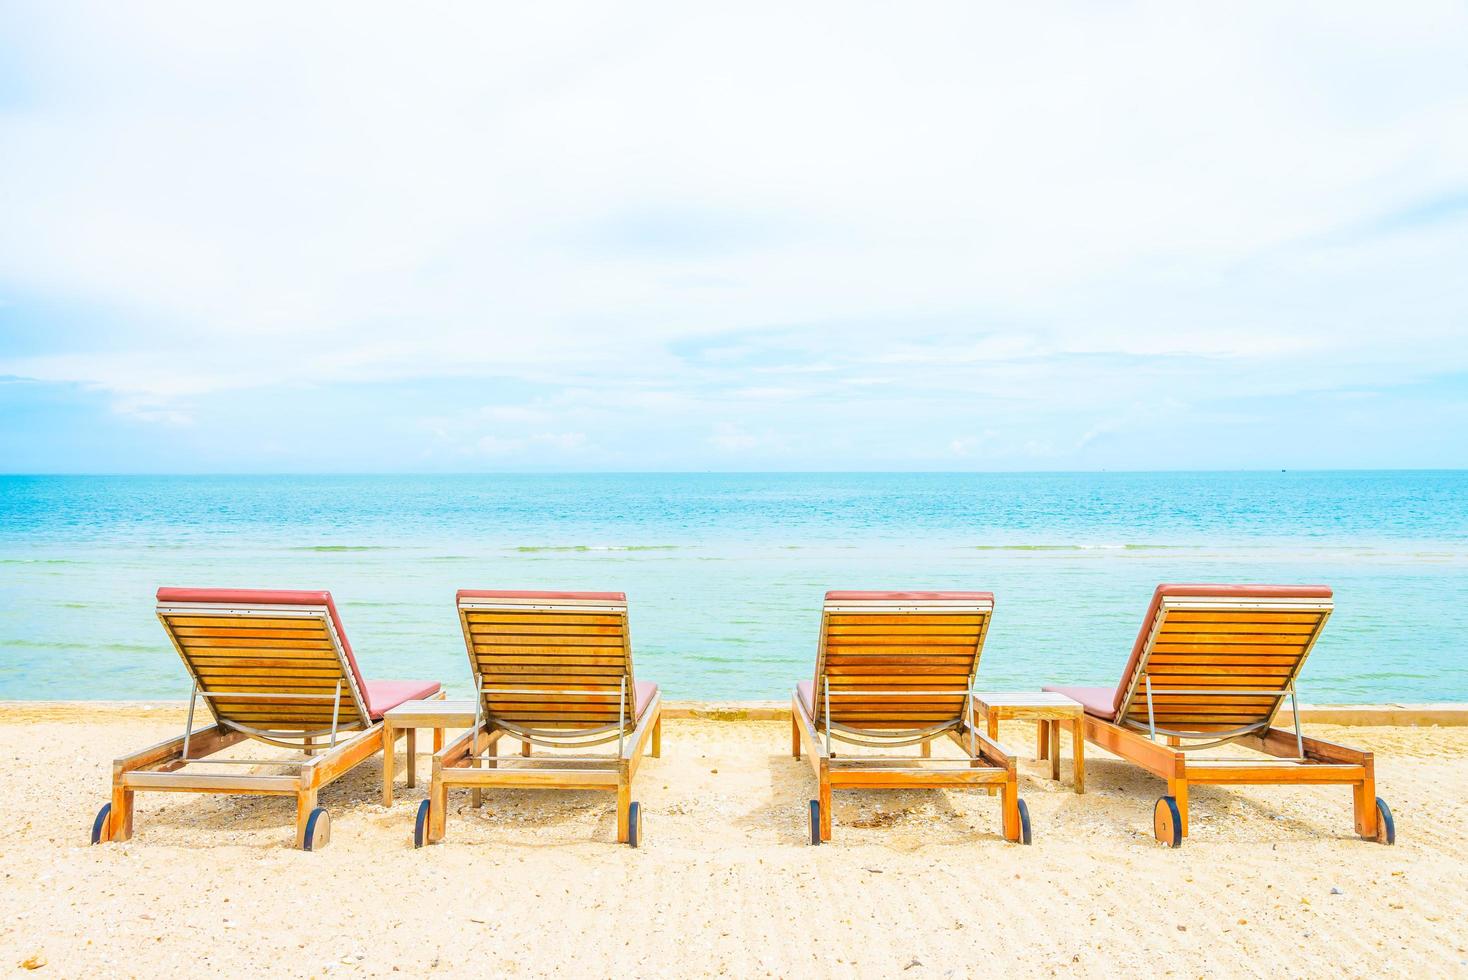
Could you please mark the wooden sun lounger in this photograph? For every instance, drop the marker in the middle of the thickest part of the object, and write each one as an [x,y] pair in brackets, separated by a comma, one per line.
[897,669]
[552,669]
[273,667]
[1213,665]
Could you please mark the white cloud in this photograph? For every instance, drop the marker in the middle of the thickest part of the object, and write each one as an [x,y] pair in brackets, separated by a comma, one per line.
[932,214]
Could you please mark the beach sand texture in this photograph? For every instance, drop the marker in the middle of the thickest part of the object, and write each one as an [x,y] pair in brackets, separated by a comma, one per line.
[914,884]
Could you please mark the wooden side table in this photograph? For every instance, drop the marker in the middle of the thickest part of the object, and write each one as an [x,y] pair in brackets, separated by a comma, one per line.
[436,713]
[1047,711]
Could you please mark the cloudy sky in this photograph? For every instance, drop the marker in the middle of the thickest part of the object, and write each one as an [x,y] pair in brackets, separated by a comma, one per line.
[783,236]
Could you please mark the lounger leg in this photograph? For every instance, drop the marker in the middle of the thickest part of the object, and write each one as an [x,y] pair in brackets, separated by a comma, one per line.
[120,820]
[438,804]
[1363,796]
[1078,756]
[927,749]
[657,737]
[1054,727]
[624,804]
[412,750]
[1009,808]
[389,760]
[305,803]
[476,795]
[794,734]
[310,745]
[825,797]
[1178,790]
[525,749]
[1042,741]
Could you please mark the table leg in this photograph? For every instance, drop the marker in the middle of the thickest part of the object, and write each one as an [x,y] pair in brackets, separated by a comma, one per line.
[1042,741]
[389,752]
[437,741]
[991,721]
[1054,727]
[1078,754]
[412,757]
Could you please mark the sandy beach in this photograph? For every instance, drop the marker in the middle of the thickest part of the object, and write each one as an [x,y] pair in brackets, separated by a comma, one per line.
[916,884]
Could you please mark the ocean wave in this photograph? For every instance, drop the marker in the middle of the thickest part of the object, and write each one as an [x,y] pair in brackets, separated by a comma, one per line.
[535,548]
[78,645]
[1080,547]
[344,547]
[40,561]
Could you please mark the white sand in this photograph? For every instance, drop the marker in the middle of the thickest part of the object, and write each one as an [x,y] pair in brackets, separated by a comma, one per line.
[916,884]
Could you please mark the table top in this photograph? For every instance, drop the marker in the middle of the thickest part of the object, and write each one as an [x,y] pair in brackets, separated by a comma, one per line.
[1033,703]
[424,713]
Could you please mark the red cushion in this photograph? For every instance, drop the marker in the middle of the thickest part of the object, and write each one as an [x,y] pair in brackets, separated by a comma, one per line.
[502,594]
[1223,591]
[858,596]
[1096,700]
[383,696]
[642,695]
[806,691]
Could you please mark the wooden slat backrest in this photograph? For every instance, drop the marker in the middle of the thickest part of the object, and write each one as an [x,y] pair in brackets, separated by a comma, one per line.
[288,656]
[899,645]
[567,658]
[1202,643]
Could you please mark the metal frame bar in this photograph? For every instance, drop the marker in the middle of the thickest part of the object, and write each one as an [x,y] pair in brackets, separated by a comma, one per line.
[874,739]
[336,706]
[189,725]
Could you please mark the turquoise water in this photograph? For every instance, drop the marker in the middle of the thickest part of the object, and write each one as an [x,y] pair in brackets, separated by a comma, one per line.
[726,572]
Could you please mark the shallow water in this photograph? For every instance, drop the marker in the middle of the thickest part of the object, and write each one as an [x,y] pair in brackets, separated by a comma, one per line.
[725,572]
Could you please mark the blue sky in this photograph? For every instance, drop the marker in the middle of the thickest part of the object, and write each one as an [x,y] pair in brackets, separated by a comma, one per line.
[847,236]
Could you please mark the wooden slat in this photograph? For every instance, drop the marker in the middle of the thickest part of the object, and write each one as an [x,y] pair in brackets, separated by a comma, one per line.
[251,622]
[554,650]
[1228,649]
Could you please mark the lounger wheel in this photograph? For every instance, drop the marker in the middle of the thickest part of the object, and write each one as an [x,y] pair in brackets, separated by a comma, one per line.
[99,826]
[318,830]
[1167,822]
[420,825]
[1386,829]
[634,824]
[1024,821]
[815,821]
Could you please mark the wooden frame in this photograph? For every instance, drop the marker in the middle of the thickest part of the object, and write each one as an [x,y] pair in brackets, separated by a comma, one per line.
[460,765]
[271,667]
[1226,663]
[1323,763]
[989,768]
[555,670]
[161,768]
[897,669]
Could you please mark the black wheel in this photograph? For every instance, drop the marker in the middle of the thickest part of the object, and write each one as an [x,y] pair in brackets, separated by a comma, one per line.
[1024,822]
[1386,828]
[100,824]
[420,825]
[1167,822]
[634,823]
[318,830]
[815,821]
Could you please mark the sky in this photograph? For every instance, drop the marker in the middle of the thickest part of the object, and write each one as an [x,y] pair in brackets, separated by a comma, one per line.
[270,237]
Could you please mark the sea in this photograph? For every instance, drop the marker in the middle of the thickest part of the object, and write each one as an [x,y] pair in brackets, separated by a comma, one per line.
[725,572]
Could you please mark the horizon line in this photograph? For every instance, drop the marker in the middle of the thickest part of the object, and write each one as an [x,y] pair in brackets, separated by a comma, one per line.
[721,472]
